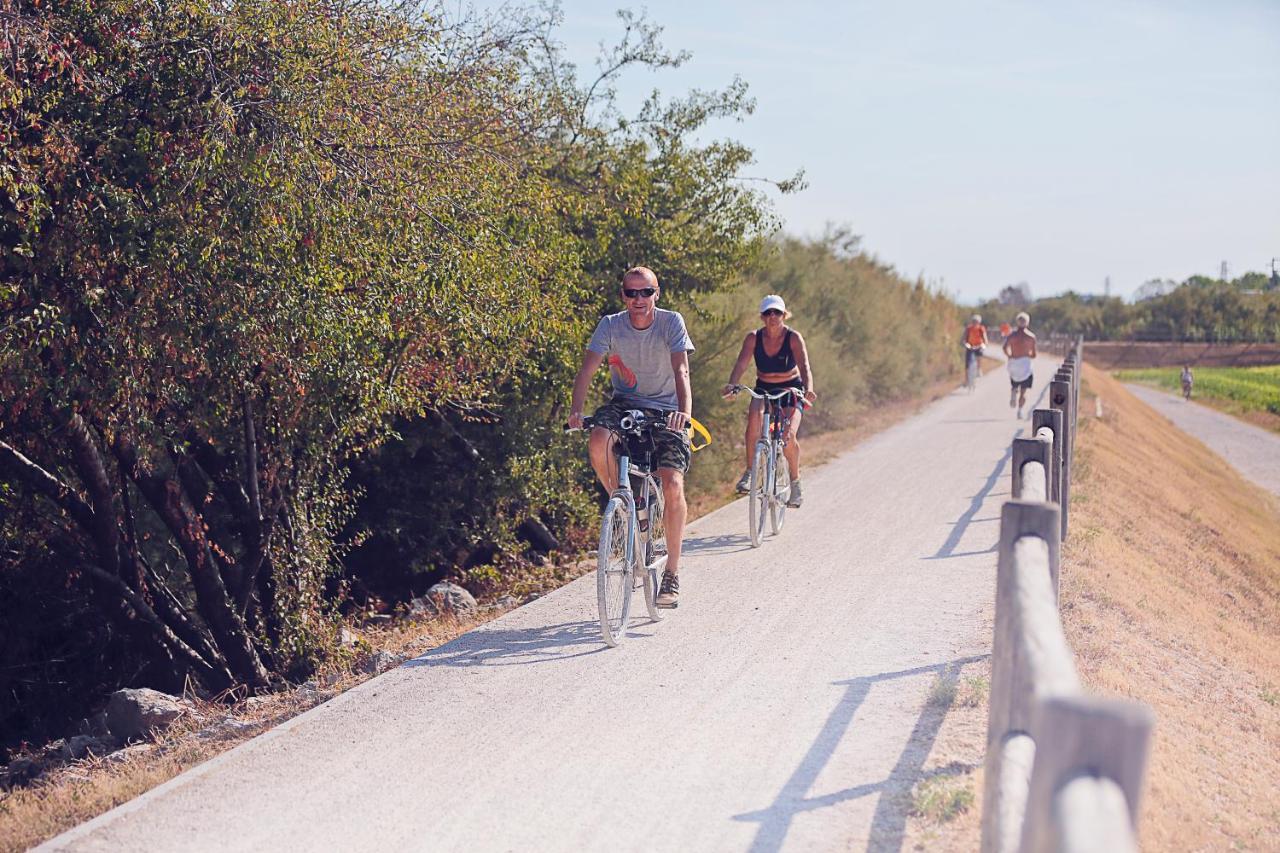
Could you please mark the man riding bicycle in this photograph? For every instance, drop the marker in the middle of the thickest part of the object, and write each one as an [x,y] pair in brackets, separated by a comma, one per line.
[975,338]
[781,362]
[1020,349]
[647,349]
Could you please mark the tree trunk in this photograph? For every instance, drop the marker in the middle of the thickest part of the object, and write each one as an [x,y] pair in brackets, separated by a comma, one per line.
[167,498]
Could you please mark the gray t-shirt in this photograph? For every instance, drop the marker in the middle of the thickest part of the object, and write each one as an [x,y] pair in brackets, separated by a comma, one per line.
[640,359]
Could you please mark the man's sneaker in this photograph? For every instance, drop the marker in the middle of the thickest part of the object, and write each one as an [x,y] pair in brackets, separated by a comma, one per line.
[796,498]
[1019,413]
[669,592]
[744,484]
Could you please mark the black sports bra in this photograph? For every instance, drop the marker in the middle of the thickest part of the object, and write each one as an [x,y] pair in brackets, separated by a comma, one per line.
[783,362]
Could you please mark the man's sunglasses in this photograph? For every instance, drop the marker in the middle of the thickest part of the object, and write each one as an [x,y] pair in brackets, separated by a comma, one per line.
[772,312]
[646,292]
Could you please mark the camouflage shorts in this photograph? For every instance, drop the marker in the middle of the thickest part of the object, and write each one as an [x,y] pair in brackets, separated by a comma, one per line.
[671,449]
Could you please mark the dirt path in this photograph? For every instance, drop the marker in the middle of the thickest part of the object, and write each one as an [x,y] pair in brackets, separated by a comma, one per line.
[1251,450]
[783,706]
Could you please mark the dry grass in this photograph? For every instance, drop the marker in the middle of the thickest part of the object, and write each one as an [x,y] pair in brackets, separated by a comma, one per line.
[80,791]
[1170,595]
[945,814]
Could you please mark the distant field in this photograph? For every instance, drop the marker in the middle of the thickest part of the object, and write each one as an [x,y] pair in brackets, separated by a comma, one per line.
[1242,389]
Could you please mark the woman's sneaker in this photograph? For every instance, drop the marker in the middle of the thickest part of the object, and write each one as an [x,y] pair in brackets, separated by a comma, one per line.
[744,483]
[669,592]
[795,499]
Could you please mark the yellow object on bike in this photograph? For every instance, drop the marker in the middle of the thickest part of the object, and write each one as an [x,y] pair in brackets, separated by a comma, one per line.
[698,429]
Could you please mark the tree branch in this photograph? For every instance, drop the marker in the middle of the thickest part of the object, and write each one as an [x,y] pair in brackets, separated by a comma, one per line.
[208,673]
[169,501]
[41,481]
[93,473]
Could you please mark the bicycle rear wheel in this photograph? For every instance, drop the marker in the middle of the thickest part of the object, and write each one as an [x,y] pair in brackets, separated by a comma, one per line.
[614,571]
[781,494]
[655,548]
[758,494]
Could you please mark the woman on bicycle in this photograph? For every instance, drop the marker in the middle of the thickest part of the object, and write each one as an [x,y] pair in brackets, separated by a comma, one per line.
[781,362]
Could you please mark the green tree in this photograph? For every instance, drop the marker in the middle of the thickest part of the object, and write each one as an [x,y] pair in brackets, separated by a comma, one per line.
[238,237]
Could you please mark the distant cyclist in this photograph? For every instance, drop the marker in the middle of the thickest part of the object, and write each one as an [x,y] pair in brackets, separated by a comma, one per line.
[647,349]
[975,340]
[1187,381]
[1020,348]
[781,362]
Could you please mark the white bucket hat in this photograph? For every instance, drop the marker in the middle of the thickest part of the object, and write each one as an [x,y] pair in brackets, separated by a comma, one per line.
[773,300]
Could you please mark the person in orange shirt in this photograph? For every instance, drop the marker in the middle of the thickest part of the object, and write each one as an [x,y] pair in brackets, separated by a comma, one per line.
[975,338]
[1004,330]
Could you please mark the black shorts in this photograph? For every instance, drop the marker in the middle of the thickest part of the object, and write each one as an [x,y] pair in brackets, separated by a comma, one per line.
[775,387]
[1026,383]
[671,449]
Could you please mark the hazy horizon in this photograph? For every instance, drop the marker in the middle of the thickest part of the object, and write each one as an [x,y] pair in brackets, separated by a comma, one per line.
[998,142]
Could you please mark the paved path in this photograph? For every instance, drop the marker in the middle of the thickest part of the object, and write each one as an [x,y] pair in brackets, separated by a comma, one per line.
[1251,450]
[783,706]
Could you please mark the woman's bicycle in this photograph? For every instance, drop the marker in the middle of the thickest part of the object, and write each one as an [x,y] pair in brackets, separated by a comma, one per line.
[633,544]
[770,484]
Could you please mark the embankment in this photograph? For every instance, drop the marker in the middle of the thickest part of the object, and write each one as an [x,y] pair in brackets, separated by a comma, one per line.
[1171,595]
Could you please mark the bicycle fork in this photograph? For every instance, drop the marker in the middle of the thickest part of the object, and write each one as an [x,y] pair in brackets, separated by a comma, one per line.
[625,493]
[770,457]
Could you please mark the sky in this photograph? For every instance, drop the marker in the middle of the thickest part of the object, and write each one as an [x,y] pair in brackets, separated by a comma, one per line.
[981,144]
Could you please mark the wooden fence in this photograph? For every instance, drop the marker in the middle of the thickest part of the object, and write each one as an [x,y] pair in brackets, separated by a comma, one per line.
[1064,770]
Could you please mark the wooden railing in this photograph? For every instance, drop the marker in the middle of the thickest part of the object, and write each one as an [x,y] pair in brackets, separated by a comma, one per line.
[1064,770]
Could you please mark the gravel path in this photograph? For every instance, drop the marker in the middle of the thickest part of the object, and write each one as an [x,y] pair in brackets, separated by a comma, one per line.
[783,706]
[1251,450]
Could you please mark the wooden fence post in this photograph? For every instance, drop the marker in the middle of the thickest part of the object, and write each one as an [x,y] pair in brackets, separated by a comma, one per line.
[1030,450]
[1060,399]
[1051,418]
[1084,735]
[1010,699]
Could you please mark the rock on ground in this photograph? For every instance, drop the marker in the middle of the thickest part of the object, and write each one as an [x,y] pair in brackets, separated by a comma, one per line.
[443,597]
[136,712]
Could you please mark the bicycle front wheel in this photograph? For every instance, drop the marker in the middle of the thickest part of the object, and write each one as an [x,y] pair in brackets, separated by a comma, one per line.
[614,571]
[758,495]
[781,494]
[655,549]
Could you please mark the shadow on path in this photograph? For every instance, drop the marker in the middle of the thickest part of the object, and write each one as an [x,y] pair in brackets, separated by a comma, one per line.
[727,543]
[889,822]
[514,646]
[962,523]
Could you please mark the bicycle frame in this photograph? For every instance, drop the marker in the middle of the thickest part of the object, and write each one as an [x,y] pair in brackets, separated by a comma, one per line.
[640,563]
[773,439]
[972,366]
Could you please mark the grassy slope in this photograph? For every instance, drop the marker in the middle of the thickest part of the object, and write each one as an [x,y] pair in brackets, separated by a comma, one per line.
[1251,393]
[1170,595]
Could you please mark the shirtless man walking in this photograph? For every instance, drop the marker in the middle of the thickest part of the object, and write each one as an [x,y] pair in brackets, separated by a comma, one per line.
[1020,348]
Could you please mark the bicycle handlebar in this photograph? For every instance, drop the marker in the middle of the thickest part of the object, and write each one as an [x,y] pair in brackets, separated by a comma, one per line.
[633,420]
[799,395]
